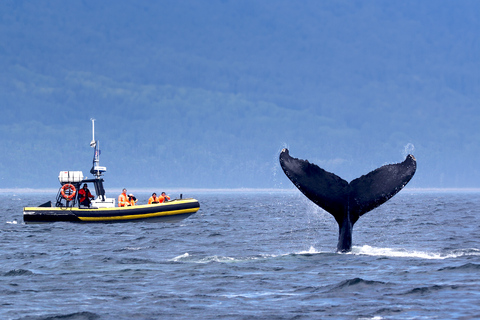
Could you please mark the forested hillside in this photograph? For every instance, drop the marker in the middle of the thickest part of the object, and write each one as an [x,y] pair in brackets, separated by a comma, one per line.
[204,94]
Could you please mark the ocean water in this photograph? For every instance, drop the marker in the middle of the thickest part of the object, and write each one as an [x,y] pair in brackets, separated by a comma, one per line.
[250,255]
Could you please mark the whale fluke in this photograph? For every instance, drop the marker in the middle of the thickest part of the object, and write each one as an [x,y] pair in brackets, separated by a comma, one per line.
[347,202]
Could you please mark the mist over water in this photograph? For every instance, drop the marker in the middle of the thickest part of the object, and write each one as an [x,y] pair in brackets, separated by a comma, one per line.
[249,255]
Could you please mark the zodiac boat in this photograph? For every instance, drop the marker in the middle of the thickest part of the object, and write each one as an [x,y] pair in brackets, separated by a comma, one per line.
[103,209]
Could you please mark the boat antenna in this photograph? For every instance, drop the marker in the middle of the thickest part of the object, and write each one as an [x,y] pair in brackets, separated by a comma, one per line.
[96,170]
[93,143]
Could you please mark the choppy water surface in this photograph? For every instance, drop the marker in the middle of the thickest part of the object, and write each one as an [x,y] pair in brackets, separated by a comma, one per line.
[247,256]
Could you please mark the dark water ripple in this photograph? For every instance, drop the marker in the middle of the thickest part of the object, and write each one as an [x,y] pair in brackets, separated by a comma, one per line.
[247,256]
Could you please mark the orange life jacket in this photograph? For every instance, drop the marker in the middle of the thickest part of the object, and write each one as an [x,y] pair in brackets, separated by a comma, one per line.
[123,200]
[162,198]
[152,200]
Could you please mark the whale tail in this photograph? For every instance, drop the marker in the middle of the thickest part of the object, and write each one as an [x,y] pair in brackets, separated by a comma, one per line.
[347,202]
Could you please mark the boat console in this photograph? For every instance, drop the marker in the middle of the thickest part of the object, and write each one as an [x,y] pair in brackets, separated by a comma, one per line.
[71,182]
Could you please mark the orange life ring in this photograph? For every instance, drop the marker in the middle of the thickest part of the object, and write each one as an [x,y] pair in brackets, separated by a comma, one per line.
[68,191]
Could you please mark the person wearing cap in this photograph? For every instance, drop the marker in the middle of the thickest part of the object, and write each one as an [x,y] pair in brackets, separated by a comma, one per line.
[163,197]
[123,199]
[132,199]
[84,196]
[153,199]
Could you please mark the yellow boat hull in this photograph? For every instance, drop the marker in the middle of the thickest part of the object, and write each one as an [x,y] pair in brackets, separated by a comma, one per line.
[170,211]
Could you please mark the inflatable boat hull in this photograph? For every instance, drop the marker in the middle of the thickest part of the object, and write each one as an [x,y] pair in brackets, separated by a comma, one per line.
[170,211]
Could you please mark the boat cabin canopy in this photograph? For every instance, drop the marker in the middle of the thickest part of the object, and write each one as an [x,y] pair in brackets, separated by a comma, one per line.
[70,199]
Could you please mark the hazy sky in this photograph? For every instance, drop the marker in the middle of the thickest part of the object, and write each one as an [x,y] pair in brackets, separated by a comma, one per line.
[204,94]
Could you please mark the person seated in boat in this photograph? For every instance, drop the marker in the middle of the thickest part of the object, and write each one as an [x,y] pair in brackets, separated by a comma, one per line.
[132,200]
[153,199]
[164,197]
[123,199]
[84,196]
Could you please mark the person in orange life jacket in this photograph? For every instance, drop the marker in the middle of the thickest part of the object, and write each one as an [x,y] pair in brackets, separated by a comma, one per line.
[164,197]
[123,199]
[153,199]
[84,196]
[132,200]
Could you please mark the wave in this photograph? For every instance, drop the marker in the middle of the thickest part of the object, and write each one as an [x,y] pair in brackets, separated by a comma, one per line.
[17,272]
[363,250]
[310,251]
[404,253]
[186,257]
[356,284]
[430,289]
[85,315]
[135,261]
[467,266]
